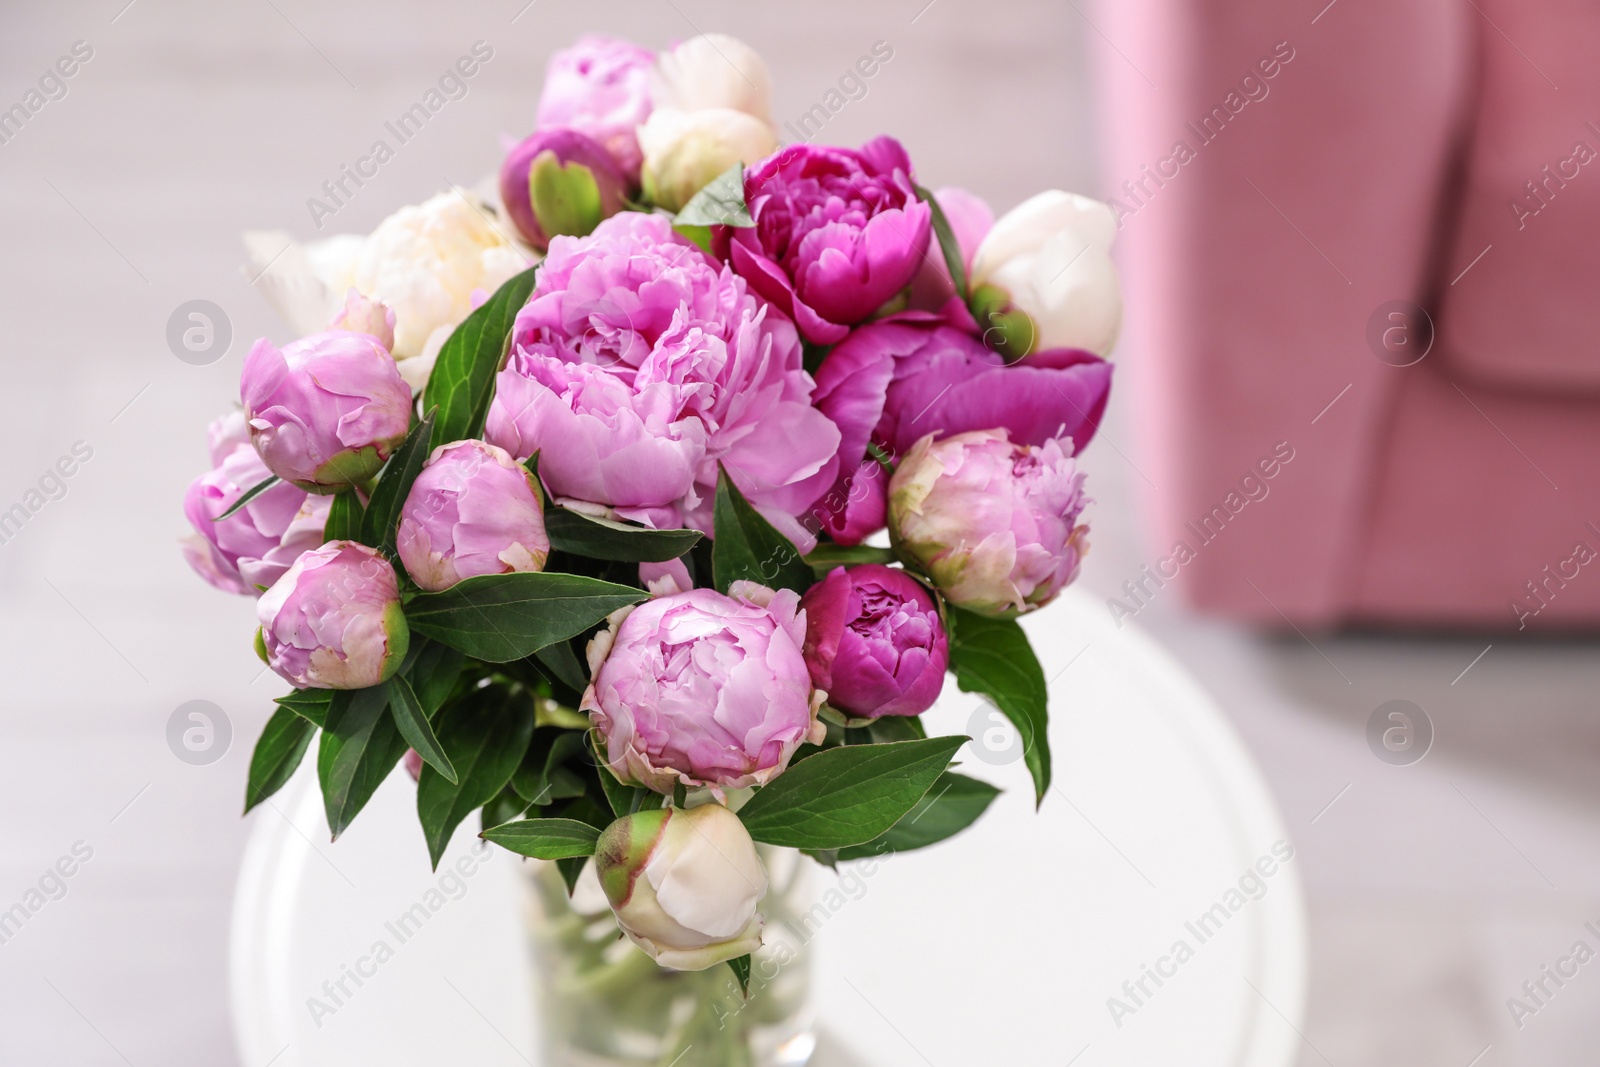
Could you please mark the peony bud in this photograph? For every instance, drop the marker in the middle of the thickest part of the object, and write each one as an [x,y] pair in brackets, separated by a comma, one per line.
[703,689]
[361,314]
[601,86]
[333,621]
[685,150]
[684,884]
[1043,278]
[993,524]
[327,410]
[559,181]
[473,510]
[874,641]
[711,71]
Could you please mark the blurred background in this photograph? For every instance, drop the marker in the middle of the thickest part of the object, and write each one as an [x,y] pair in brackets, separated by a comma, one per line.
[1353,234]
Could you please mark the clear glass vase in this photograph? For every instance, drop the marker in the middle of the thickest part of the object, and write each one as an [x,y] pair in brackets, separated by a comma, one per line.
[604,1003]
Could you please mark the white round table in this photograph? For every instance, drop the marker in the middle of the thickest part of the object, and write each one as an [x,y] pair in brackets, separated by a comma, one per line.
[1149,913]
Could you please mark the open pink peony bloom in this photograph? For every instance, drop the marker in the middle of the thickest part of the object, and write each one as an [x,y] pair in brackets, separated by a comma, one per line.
[640,363]
[874,641]
[333,621]
[560,181]
[895,381]
[703,689]
[992,523]
[473,510]
[250,549]
[327,410]
[600,86]
[837,233]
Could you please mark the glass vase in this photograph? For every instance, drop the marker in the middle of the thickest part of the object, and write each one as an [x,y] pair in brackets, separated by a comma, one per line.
[604,1003]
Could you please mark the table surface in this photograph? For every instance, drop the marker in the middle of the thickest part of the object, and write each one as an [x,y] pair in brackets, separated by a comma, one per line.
[1005,944]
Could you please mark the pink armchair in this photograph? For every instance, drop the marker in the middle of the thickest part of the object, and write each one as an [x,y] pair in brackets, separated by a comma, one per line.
[1288,178]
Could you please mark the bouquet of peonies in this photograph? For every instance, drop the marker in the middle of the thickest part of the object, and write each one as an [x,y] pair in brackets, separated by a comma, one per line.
[600,539]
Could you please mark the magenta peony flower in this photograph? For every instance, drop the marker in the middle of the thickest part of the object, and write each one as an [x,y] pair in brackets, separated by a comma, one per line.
[894,381]
[327,410]
[856,507]
[874,641]
[250,549]
[970,220]
[600,86]
[703,689]
[992,523]
[640,363]
[838,232]
[560,181]
[473,510]
[333,621]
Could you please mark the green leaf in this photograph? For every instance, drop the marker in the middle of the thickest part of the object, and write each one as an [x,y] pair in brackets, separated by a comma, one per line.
[462,382]
[503,617]
[360,746]
[564,664]
[719,203]
[433,672]
[825,557]
[948,244]
[542,776]
[249,495]
[506,805]
[310,704]
[277,755]
[846,796]
[484,737]
[741,971]
[570,870]
[412,720]
[545,839]
[394,485]
[993,657]
[748,548]
[596,538]
[953,804]
[896,728]
[344,517]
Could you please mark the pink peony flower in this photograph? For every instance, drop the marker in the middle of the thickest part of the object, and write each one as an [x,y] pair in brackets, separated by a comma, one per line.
[250,549]
[640,363]
[838,233]
[601,87]
[874,641]
[895,381]
[333,621]
[327,410]
[994,524]
[473,510]
[703,689]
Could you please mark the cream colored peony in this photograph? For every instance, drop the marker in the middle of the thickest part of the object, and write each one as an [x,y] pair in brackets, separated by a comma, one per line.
[1050,258]
[712,96]
[430,263]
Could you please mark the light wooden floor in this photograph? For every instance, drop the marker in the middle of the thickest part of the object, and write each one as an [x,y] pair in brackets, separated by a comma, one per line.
[1436,890]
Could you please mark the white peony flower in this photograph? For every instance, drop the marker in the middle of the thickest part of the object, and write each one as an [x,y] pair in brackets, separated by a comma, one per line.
[685,150]
[1050,258]
[429,263]
[684,884]
[712,71]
